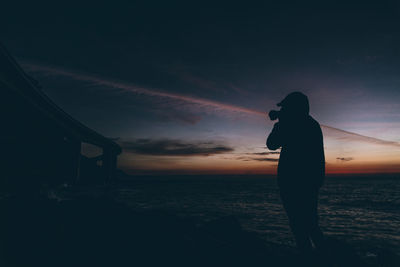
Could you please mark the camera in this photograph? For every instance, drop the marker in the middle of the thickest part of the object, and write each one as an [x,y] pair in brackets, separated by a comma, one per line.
[274,114]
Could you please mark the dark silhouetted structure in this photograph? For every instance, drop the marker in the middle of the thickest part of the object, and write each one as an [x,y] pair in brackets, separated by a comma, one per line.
[301,168]
[39,141]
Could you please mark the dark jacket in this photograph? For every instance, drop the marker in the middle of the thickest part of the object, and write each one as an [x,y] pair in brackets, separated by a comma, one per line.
[302,160]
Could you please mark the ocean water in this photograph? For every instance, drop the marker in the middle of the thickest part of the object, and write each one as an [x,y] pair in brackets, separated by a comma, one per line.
[363,211]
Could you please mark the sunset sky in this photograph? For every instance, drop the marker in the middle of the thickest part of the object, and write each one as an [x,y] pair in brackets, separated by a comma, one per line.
[185,88]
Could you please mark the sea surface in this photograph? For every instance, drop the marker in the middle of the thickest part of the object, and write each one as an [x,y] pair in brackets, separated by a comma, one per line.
[363,211]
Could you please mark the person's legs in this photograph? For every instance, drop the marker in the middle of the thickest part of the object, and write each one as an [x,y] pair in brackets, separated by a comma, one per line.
[294,207]
[322,253]
[302,239]
[314,230]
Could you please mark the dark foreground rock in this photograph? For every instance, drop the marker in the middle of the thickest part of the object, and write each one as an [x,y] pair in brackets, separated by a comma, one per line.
[37,231]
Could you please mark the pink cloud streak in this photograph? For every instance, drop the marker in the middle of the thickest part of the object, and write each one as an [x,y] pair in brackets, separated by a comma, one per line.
[329,130]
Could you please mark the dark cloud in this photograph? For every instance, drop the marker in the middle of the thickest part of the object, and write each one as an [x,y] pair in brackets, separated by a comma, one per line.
[256,156]
[168,147]
[257,159]
[345,159]
[265,153]
[265,159]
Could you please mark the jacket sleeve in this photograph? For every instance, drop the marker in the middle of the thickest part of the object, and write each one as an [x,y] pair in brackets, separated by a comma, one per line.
[321,158]
[274,140]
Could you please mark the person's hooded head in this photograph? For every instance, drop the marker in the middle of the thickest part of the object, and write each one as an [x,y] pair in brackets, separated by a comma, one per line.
[295,105]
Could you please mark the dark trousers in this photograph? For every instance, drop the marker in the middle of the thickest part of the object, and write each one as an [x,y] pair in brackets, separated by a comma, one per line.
[301,206]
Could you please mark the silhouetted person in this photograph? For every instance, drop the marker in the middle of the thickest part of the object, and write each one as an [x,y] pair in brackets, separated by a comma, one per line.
[301,168]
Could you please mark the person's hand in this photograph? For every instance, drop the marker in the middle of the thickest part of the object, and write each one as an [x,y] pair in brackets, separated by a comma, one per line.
[273,115]
[283,116]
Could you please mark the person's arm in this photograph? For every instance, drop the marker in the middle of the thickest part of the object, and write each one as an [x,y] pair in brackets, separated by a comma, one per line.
[321,157]
[274,140]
